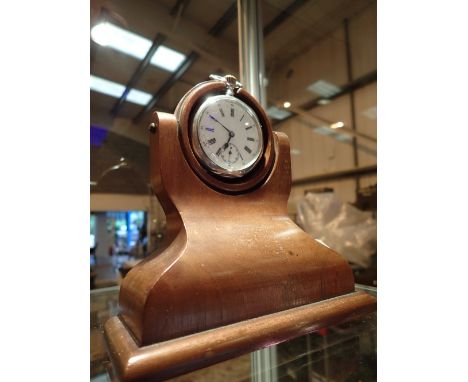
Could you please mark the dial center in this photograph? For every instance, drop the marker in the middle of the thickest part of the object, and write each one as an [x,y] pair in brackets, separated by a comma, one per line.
[232,154]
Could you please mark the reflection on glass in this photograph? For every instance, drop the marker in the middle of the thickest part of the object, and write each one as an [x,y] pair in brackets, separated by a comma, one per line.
[339,353]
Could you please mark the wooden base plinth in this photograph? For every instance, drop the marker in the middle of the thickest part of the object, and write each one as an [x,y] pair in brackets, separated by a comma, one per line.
[178,356]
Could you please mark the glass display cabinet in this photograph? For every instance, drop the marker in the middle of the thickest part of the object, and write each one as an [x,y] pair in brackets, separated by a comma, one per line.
[182,310]
[345,352]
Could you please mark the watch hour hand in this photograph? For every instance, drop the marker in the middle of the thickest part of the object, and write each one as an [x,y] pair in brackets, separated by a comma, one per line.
[223,147]
[227,143]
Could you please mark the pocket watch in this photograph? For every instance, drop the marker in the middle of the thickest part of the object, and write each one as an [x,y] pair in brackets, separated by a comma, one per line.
[226,134]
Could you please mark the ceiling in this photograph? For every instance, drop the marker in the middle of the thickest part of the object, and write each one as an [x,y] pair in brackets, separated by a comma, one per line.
[208,30]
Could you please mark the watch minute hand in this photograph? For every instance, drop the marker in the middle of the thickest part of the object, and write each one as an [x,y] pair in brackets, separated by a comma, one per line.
[214,119]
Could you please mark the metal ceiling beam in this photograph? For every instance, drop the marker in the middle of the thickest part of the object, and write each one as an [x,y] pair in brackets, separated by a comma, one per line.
[350,87]
[180,6]
[349,70]
[338,135]
[189,35]
[227,18]
[158,40]
[338,175]
[353,86]
[174,77]
[311,117]
[283,16]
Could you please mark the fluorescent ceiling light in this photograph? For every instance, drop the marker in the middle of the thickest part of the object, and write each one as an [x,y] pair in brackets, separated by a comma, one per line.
[337,125]
[343,138]
[324,130]
[114,89]
[370,113]
[277,113]
[106,87]
[138,97]
[167,58]
[323,101]
[117,38]
[324,88]
[112,36]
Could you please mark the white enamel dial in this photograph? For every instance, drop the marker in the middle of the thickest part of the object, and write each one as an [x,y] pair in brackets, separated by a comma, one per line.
[227,136]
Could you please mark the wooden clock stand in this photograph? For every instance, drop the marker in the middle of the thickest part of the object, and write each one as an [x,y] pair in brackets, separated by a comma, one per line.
[237,274]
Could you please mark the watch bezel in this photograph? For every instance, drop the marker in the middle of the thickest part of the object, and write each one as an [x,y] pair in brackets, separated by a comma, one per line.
[184,113]
[200,154]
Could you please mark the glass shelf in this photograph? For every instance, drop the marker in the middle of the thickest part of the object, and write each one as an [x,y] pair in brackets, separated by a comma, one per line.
[345,352]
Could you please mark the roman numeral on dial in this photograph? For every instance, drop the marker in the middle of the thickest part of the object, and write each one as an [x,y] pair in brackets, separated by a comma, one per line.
[212,141]
[246,148]
[250,139]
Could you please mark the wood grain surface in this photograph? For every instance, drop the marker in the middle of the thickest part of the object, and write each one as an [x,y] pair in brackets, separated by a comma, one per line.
[233,253]
[164,360]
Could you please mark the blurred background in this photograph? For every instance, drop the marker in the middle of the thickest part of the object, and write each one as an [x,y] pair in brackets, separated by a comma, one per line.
[320,84]
[321,81]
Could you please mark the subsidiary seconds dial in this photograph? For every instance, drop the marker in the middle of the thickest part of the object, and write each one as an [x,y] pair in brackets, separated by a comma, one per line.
[227,136]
